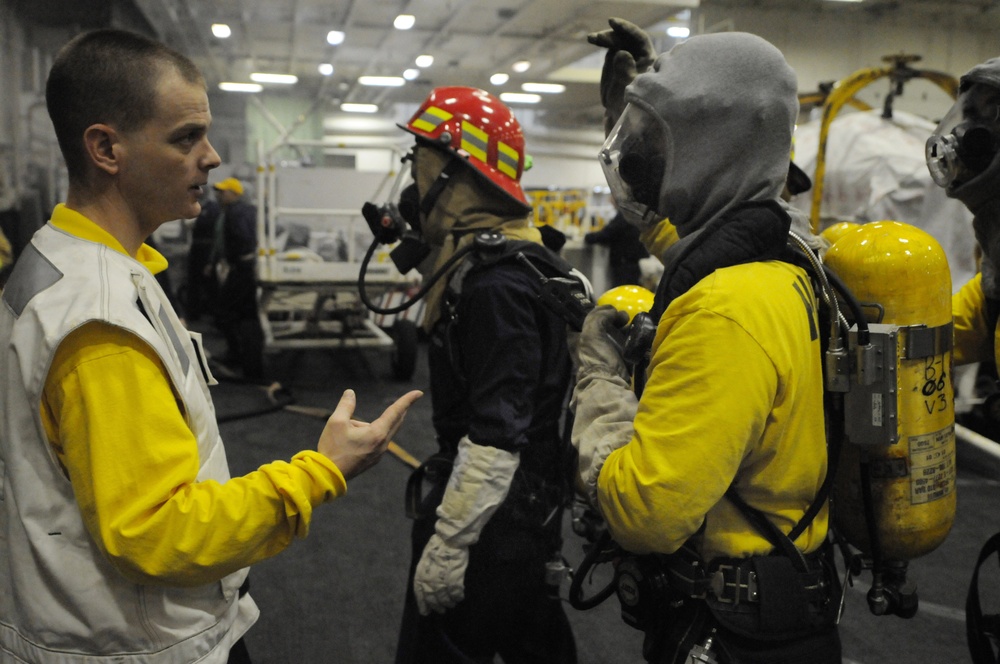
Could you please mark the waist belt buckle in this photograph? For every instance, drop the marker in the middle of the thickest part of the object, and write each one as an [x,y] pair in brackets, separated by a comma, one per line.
[719,585]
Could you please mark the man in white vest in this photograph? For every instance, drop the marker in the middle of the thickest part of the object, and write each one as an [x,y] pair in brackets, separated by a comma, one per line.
[122,536]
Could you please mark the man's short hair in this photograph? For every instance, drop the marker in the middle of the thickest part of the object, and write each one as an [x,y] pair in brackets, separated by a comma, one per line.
[107,76]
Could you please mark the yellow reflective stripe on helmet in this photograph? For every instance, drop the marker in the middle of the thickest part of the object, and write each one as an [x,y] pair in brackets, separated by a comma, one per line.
[474,140]
[507,159]
[430,119]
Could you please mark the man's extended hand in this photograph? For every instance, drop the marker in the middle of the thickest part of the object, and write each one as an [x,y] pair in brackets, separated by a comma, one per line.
[630,53]
[356,446]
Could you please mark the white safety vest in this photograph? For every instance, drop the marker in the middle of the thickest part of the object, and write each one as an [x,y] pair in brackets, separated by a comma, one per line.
[61,600]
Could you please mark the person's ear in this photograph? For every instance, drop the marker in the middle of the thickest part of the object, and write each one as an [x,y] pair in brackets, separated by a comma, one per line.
[101,143]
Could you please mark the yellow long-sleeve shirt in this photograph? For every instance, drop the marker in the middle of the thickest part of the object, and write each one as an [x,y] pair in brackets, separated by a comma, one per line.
[734,395]
[974,338]
[118,430]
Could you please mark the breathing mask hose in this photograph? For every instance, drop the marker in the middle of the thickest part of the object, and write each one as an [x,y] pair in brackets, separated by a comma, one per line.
[852,304]
[825,290]
[830,285]
[428,284]
[576,599]
[835,434]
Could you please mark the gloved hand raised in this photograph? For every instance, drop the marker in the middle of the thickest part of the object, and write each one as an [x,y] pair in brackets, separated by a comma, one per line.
[603,404]
[596,351]
[630,53]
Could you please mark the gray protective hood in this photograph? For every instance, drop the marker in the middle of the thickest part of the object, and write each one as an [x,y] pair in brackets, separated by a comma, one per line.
[980,194]
[986,72]
[728,103]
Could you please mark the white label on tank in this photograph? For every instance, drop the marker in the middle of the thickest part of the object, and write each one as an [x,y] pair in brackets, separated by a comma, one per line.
[932,465]
[877,409]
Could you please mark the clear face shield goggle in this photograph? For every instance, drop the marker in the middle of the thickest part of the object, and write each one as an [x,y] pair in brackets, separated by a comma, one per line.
[964,143]
[633,159]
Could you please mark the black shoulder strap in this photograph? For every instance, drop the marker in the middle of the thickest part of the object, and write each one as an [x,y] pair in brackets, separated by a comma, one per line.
[545,260]
[982,631]
[770,531]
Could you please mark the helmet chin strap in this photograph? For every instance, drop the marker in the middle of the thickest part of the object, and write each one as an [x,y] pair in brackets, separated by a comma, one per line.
[430,199]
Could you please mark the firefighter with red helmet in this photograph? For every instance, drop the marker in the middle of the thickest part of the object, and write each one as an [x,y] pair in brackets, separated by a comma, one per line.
[487,507]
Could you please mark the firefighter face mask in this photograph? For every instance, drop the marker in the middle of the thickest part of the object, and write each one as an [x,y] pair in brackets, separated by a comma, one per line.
[399,222]
[965,143]
[633,159]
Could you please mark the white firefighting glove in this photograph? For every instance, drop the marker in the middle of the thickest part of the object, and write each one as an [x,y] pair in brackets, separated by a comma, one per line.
[630,53]
[479,482]
[603,402]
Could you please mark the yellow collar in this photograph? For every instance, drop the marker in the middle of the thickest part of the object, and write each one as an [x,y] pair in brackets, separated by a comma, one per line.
[77,225]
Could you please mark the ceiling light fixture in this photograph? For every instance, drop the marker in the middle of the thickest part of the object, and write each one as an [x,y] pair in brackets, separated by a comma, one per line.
[241,87]
[283,79]
[382,81]
[546,88]
[404,21]
[424,60]
[349,107]
[335,37]
[678,32]
[326,69]
[521,66]
[221,30]
[499,79]
[847,0]
[411,74]
[520,98]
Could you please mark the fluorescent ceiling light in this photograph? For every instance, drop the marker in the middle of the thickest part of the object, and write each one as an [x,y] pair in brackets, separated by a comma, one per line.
[326,69]
[679,31]
[284,79]
[221,30]
[354,123]
[349,107]
[520,97]
[547,88]
[241,87]
[382,81]
[424,60]
[499,79]
[334,37]
[847,0]
[411,74]
[404,21]
[521,66]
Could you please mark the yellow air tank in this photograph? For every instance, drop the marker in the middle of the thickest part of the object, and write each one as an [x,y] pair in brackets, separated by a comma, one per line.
[628,298]
[907,446]
[834,232]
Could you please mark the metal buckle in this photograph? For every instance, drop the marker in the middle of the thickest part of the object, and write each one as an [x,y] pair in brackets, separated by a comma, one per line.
[718,585]
[752,594]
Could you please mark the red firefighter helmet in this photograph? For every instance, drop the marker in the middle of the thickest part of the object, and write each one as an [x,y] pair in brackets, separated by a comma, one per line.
[478,127]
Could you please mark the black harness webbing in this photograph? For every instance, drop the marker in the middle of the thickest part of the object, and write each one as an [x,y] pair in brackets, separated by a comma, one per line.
[982,631]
